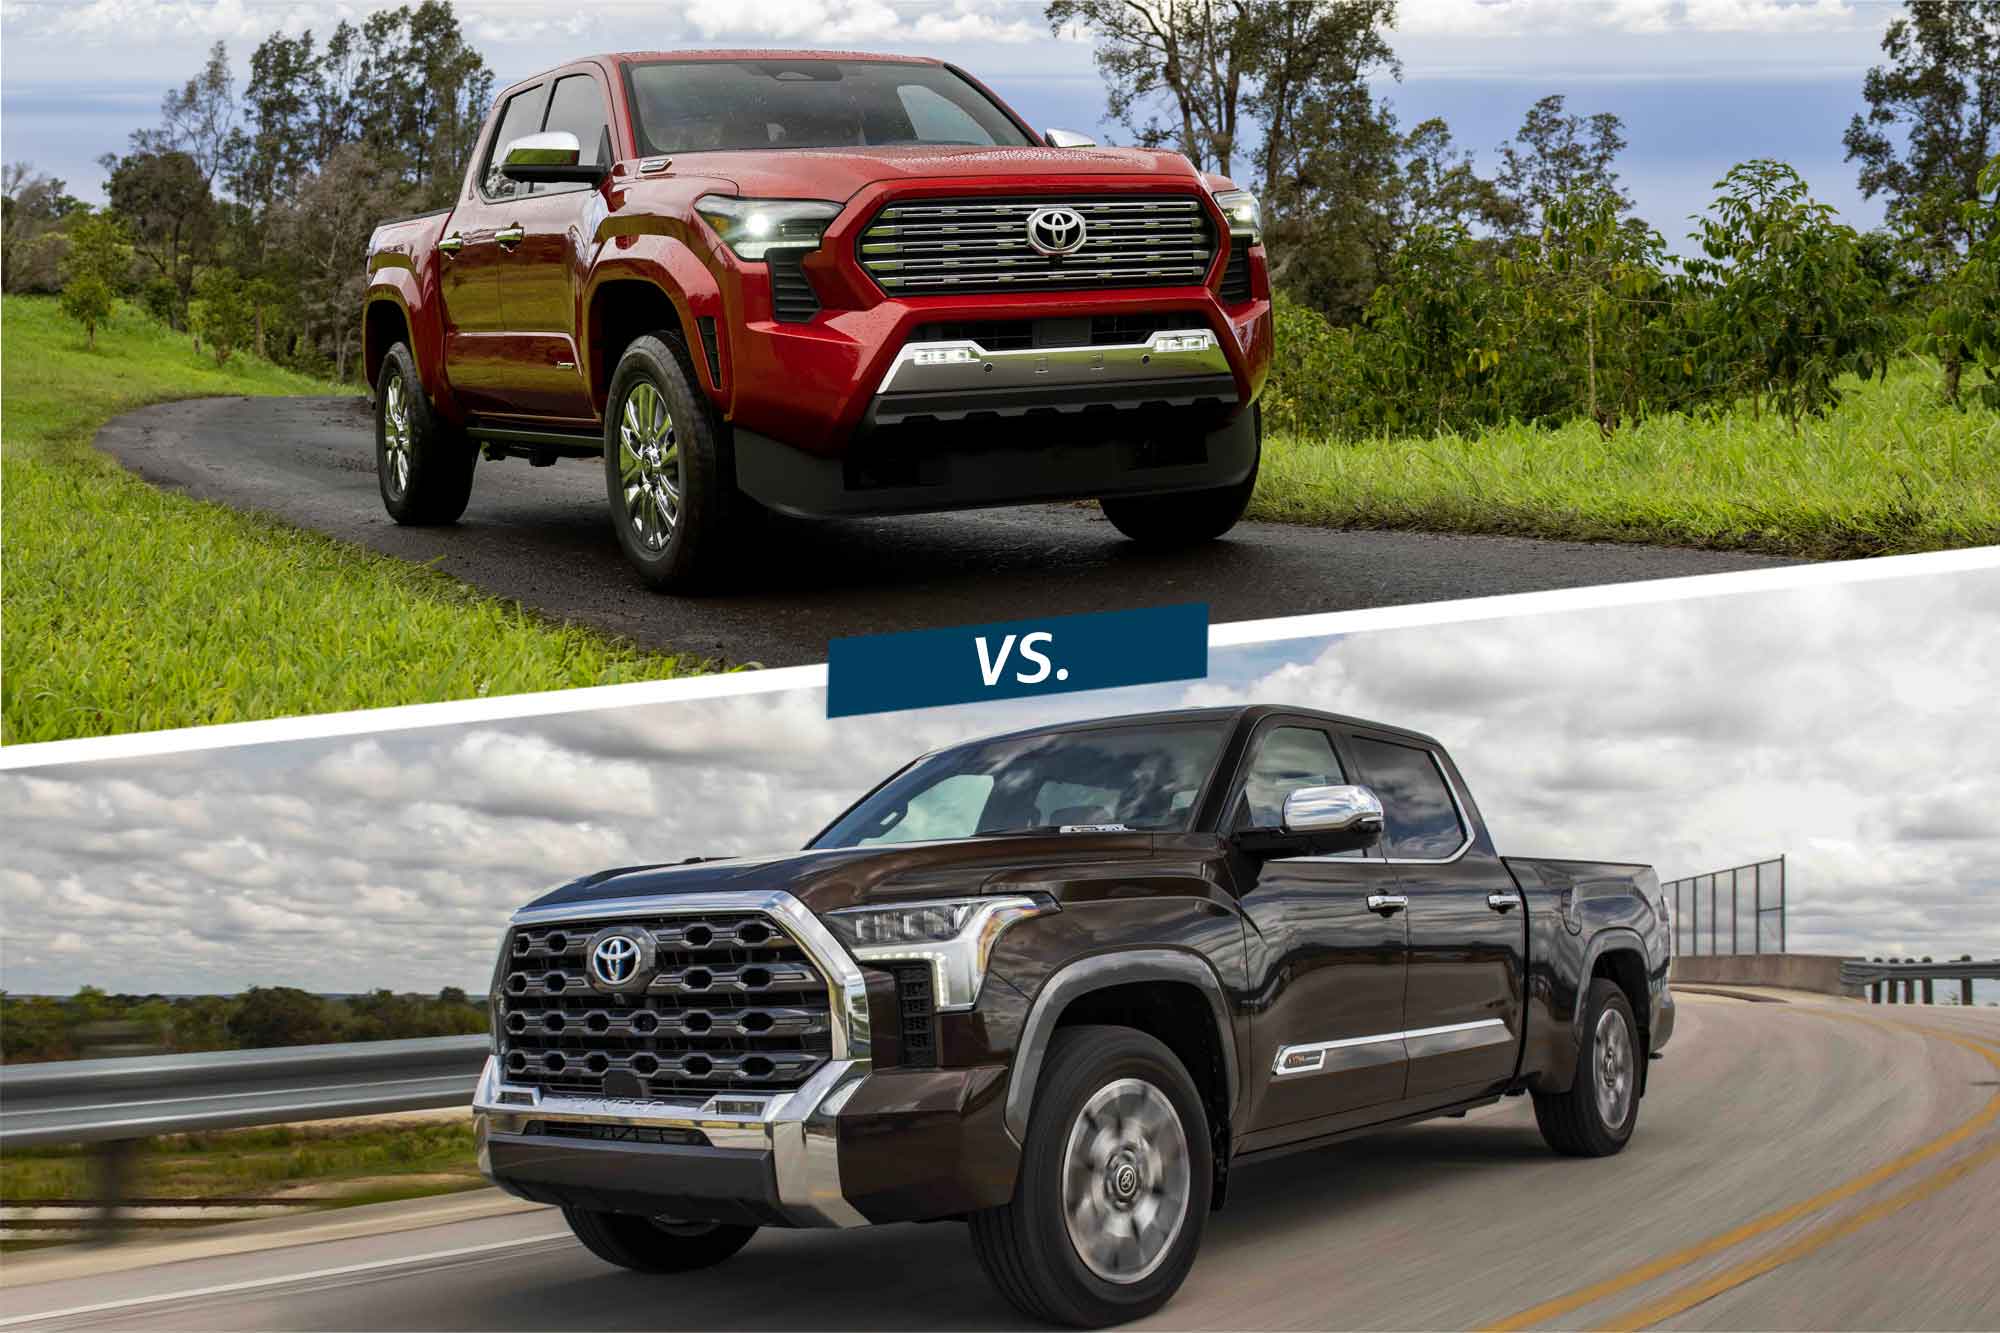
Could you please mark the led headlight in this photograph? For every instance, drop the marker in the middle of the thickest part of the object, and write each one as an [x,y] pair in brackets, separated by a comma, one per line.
[754,227]
[1246,218]
[955,937]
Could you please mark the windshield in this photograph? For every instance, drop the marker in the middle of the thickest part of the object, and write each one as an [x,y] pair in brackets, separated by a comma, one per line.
[1139,777]
[695,106]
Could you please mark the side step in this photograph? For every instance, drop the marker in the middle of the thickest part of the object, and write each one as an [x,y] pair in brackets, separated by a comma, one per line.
[540,447]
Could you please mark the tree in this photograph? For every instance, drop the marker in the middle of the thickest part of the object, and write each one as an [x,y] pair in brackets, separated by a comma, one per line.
[423,92]
[1962,326]
[1557,155]
[92,269]
[279,1016]
[165,200]
[223,313]
[198,119]
[1933,118]
[324,232]
[33,216]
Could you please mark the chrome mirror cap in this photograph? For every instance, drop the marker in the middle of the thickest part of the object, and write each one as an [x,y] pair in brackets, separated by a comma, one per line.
[553,156]
[1343,809]
[1068,139]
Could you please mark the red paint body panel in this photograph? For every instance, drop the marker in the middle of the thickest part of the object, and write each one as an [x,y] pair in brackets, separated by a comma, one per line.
[496,352]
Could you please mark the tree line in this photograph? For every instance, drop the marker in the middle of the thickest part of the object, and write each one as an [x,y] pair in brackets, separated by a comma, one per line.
[1416,291]
[95,1023]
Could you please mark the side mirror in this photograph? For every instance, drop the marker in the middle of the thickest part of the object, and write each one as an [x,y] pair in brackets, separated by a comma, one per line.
[1318,821]
[1068,139]
[553,157]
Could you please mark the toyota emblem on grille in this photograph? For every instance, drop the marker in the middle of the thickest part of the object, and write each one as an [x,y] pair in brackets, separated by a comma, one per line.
[614,960]
[1056,232]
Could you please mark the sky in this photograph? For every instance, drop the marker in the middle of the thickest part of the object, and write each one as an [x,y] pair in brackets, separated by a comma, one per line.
[1701,84]
[1847,726]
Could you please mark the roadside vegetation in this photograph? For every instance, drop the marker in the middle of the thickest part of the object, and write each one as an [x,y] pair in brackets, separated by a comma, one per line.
[335,1162]
[128,608]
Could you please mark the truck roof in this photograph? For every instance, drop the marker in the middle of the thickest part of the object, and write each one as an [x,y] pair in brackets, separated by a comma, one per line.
[748,53]
[1242,714]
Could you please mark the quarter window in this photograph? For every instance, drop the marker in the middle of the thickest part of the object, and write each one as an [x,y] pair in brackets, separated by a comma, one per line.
[1422,819]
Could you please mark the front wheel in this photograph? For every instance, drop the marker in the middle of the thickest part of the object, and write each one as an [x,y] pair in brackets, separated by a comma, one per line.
[1183,518]
[655,1244]
[1114,1188]
[667,468]
[1595,1118]
[422,465]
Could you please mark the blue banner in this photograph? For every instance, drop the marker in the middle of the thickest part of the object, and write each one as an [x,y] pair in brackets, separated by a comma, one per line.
[882,673]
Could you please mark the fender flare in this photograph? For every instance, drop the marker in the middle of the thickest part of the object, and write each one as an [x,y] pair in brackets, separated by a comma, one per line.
[1096,973]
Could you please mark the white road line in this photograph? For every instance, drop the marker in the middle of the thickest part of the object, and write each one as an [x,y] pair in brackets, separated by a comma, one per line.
[289,1279]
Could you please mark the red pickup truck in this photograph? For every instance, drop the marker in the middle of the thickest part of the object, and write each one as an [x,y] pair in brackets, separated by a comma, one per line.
[821,284]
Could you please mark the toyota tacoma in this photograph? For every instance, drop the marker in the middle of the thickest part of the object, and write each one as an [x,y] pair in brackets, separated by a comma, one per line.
[820,284]
[1059,985]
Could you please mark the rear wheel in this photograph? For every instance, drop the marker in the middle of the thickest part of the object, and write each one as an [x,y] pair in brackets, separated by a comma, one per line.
[1183,518]
[422,465]
[1114,1189]
[1595,1118]
[668,471]
[655,1244]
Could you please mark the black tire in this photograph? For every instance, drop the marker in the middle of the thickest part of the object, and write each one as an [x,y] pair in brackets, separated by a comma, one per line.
[684,555]
[1025,1245]
[1184,518]
[426,477]
[645,1245]
[1575,1123]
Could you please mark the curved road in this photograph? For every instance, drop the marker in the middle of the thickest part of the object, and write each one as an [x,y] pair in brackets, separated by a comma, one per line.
[1813,1164]
[541,535]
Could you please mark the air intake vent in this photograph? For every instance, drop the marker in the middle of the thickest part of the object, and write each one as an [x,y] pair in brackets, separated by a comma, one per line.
[917,1005]
[705,326]
[793,300]
[981,245]
[1236,274]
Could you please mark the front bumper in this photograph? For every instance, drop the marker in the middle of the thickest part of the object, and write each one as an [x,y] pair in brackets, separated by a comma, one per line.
[847,1148]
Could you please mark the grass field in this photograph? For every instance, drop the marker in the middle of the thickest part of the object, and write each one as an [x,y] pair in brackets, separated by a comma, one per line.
[1891,470]
[127,608]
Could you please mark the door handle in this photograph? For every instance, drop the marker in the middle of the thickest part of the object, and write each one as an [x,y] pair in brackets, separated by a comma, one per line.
[1502,902]
[1388,904]
[452,244]
[512,234]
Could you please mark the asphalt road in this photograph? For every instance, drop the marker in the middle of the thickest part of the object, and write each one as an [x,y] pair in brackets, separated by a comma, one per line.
[1802,1165]
[541,535]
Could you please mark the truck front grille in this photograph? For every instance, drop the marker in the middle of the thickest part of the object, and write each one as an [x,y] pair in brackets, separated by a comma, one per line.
[733,1003]
[981,245]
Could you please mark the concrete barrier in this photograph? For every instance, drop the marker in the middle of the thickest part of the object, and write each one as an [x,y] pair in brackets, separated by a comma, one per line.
[1791,971]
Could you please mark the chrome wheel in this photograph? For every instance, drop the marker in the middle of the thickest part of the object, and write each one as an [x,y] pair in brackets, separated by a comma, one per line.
[1614,1068]
[649,466]
[1126,1180]
[396,436]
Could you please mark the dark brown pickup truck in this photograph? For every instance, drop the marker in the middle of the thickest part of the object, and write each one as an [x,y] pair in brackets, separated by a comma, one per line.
[1058,984]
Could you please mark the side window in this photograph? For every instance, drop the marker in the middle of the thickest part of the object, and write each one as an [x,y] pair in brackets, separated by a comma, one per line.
[577,106]
[522,116]
[935,118]
[1422,818]
[1287,759]
[947,809]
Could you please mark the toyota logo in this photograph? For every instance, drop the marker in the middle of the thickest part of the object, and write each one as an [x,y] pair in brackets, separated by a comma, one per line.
[615,960]
[1056,232]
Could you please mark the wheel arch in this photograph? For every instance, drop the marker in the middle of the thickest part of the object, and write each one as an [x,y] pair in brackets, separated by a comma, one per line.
[1619,956]
[1137,988]
[385,321]
[654,286]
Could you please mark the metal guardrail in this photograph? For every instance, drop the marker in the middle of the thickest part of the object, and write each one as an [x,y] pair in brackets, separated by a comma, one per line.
[99,1101]
[1874,973]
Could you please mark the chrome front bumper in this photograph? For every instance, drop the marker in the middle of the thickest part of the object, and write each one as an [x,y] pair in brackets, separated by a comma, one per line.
[963,365]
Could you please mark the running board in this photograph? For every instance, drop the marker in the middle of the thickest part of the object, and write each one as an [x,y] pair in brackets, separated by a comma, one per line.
[540,447]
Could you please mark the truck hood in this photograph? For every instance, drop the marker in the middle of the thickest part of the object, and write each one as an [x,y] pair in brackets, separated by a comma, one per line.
[849,876]
[831,173]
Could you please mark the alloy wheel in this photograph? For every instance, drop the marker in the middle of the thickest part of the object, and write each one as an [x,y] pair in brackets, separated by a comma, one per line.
[1613,1076]
[649,466]
[1126,1180]
[396,436]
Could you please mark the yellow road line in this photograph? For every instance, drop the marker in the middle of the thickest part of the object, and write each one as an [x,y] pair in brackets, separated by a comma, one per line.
[1537,1315]
[1688,1297]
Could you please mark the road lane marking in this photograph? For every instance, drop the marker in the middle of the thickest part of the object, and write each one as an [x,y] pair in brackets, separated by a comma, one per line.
[283,1280]
[1537,1315]
[1645,1316]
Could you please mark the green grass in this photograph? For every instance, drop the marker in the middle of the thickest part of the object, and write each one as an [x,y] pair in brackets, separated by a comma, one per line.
[343,1161]
[1891,470]
[126,608]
